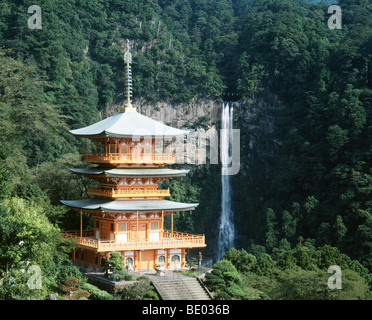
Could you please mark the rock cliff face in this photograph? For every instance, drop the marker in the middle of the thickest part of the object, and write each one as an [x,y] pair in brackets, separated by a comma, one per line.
[201,117]
[258,146]
[183,115]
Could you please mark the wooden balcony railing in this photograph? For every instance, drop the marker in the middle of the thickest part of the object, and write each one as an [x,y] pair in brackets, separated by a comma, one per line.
[179,235]
[76,233]
[123,158]
[178,240]
[124,193]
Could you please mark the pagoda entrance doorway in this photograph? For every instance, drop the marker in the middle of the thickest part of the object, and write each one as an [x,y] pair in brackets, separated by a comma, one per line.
[147,260]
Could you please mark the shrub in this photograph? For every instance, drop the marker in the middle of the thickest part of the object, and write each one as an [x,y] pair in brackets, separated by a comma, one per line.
[122,275]
[130,277]
[265,264]
[80,294]
[214,282]
[96,293]
[151,295]
[241,259]
[72,282]
[235,291]
[225,278]
[142,278]
[116,262]
[232,276]
[138,291]
[223,296]
[68,271]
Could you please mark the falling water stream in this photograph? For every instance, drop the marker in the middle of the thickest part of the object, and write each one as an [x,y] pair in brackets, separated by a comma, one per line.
[226,223]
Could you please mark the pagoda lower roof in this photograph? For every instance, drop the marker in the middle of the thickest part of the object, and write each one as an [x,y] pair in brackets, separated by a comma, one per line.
[129,205]
[118,172]
[128,124]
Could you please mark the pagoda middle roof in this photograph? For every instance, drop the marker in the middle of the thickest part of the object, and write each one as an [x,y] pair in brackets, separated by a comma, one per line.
[128,124]
[134,172]
[129,205]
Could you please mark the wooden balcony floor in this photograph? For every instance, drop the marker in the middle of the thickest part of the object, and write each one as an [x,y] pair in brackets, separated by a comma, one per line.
[118,158]
[167,242]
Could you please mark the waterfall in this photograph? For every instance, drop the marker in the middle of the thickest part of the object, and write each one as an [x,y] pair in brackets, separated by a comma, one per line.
[226,223]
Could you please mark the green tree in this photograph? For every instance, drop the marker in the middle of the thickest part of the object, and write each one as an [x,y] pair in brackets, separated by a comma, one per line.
[340,229]
[28,238]
[225,278]
[116,262]
[288,225]
[58,182]
[271,239]
[27,234]
[30,123]
[312,285]
[241,259]
[265,264]
[141,290]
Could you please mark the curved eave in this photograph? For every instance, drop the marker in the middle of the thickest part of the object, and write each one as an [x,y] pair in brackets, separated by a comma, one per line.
[129,206]
[146,135]
[128,125]
[105,134]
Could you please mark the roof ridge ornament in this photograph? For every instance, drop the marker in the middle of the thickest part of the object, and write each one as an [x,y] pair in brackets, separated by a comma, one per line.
[128,81]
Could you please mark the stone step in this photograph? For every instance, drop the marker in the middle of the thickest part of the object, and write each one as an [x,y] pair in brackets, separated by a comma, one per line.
[185,289]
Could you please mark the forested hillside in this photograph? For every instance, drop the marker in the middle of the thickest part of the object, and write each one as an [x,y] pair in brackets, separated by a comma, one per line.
[318,182]
[311,186]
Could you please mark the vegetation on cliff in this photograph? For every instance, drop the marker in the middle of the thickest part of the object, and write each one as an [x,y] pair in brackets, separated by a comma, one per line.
[314,179]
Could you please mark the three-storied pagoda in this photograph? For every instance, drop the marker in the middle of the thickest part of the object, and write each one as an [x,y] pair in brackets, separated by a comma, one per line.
[128,209]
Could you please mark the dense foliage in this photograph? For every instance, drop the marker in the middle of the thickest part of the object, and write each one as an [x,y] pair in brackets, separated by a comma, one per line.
[313,177]
[299,273]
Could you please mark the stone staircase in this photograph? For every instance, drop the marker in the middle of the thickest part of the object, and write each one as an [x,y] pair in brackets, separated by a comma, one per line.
[180,287]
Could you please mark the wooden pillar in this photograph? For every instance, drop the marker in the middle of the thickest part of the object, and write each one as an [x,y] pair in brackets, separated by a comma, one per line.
[81,224]
[183,258]
[115,230]
[135,262]
[162,224]
[140,262]
[148,226]
[168,259]
[172,224]
[73,256]
[130,234]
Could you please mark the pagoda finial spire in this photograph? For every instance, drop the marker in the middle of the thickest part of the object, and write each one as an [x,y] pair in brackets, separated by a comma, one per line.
[128,81]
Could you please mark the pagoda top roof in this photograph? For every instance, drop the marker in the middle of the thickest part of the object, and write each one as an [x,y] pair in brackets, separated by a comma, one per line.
[129,205]
[128,124]
[119,172]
